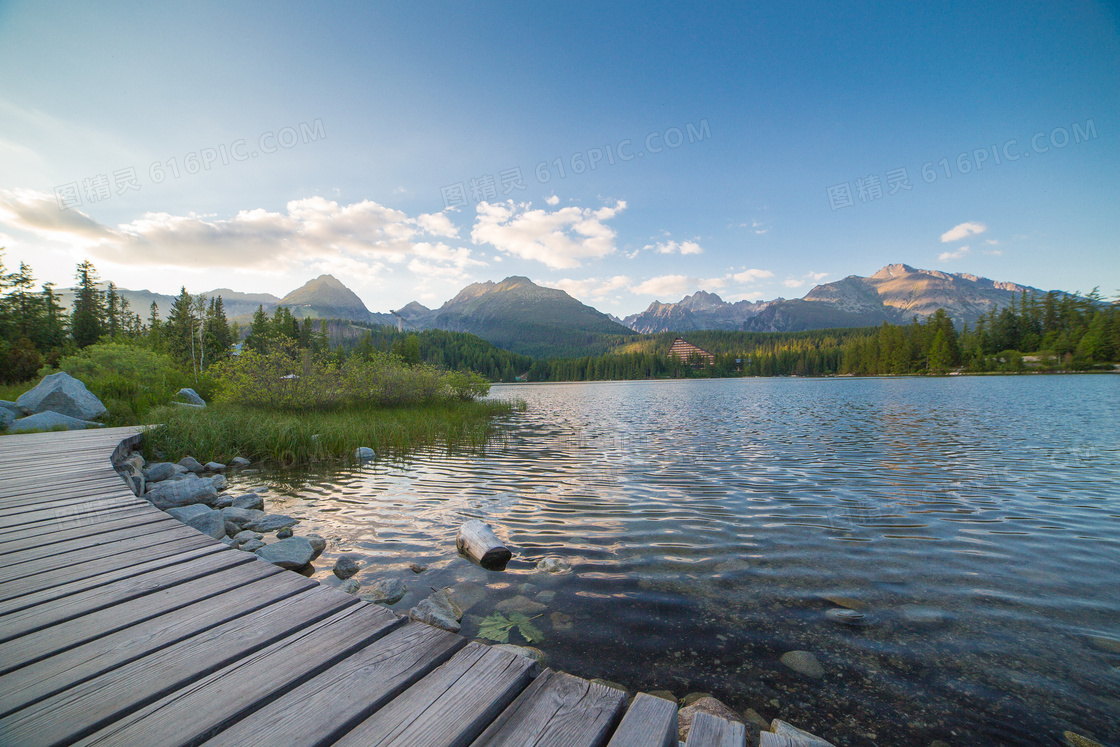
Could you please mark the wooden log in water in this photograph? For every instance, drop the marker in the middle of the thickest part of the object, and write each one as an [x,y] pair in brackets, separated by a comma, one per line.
[478,542]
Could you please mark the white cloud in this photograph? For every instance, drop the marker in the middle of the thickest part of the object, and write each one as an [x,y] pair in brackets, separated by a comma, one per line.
[590,288]
[759,227]
[559,239]
[673,247]
[809,277]
[751,276]
[991,242]
[674,286]
[955,254]
[552,200]
[310,229]
[963,230]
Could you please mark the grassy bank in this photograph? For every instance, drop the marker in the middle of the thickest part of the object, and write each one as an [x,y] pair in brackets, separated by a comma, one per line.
[221,432]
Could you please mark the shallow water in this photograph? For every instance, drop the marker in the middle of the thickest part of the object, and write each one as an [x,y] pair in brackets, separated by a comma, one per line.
[978,518]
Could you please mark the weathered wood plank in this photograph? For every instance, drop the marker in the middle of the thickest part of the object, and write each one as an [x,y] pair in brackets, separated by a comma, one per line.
[31,590]
[68,509]
[187,716]
[450,706]
[54,495]
[712,731]
[63,560]
[47,526]
[16,545]
[558,710]
[324,708]
[97,702]
[47,677]
[32,484]
[47,641]
[649,722]
[24,621]
[145,527]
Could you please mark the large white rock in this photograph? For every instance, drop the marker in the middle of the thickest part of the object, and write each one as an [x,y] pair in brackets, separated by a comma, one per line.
[45,421]
[62,393]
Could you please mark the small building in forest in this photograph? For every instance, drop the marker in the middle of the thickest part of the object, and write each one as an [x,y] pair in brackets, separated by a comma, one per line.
[686,351]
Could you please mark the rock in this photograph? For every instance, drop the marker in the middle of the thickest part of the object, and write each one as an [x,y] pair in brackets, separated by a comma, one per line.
[209,523]
[526,588]
[1076,740]
[467,594]
[803,662]
[63,394]
[190,464]
[691,698]
[846,617]
[214,467]
[185,513]
[345,567]
[232,529]
[6,419]
[529,652]
[385,591]
[664,695]
[417,568]
[191,397]
[755,717]
[270,522]
[797,737]
[225,500]
[545,597]
[136,483]
[350,586]
[160,471]
[252,546]
[239,462]
[926,617]
[292,553]
[553,564]
[48,421]
[318,544]
[228,542]
[439,610]
[849,602]
[246,536]
[706,704]
[249,500]
[560,621]
[284,533]
[171,494]
[364,453]
[1104,643]
[12,408]
[220,482]
[521,604]
[241,516]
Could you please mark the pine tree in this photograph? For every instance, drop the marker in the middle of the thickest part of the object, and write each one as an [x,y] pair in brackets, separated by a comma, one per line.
[87,322]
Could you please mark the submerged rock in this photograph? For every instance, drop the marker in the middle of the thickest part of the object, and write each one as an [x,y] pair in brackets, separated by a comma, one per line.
[848,602]
[553,564]
[284,533]
[847,617]
[292,553]
[438,610]
[350,586]
[417,568]
[1076,740]
[521,604]
[385,591]
[803,662]
[1104,643]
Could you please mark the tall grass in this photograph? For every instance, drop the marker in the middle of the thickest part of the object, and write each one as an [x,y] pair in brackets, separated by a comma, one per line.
[222,432]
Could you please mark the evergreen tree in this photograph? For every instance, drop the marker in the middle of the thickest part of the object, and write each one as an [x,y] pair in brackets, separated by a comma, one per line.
[87,321]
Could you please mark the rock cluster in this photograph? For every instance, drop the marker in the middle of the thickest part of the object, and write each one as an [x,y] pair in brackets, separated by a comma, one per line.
[58,401]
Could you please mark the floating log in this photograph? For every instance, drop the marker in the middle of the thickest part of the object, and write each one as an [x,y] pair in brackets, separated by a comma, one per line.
[478,542]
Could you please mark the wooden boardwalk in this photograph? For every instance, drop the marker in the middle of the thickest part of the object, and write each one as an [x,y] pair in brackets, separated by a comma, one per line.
[121,626]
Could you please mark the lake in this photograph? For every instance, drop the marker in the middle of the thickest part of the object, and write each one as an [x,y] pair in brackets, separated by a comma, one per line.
[974,520]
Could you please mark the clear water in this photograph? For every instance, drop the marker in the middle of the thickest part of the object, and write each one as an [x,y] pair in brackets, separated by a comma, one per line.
[978,518]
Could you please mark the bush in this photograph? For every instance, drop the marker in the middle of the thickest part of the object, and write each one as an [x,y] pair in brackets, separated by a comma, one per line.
[467,386]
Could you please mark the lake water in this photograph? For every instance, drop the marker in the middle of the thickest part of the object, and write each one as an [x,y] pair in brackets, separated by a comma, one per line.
[978,518]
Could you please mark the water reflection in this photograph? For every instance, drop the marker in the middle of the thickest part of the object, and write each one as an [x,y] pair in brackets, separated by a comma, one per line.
[976,520]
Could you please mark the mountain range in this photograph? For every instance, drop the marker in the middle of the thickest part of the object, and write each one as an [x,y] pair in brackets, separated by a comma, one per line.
[527,318]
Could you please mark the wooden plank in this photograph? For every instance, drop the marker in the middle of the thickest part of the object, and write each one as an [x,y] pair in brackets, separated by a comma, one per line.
[712,731]
[558,709]
[34,682]
[46,526]
[67,508]
[649,722]
[450,706]
[187,716]
[76,631]
[24,621]
[86,555]
[49,492]
[32,590]
[324,708]
[97,539]
[99,701]
[15,545]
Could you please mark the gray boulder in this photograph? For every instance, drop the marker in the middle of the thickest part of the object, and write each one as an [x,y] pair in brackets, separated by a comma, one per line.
[241,516]
[11,407]
[225,500]
[191,397]
[345,567]
[293,553]
[239,462]
[160,471]
[438,610]
[62,393]
[46,421]
[246,536]
[7,417]
[252,546]
[175,493]
[270,522]
[220,482]
[186,513]
[214,467]
[385,591]
[318,544]
[249,500]
[191,464]
[363,453]
[209,523]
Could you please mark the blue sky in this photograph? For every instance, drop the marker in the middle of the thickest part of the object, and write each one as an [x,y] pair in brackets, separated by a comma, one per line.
[750,151]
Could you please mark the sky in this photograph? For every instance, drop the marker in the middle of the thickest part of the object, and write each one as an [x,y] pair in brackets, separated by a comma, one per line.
[624,152]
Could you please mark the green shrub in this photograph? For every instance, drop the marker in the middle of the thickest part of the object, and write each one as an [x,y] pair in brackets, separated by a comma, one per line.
[467,386]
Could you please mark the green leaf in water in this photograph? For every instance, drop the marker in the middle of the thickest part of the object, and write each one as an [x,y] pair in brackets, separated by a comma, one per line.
[497,627]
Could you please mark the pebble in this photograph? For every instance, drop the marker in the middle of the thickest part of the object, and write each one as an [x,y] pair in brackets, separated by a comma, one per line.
[417,568]
[846,617]
[560,621]
[284,533]
[803,662]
